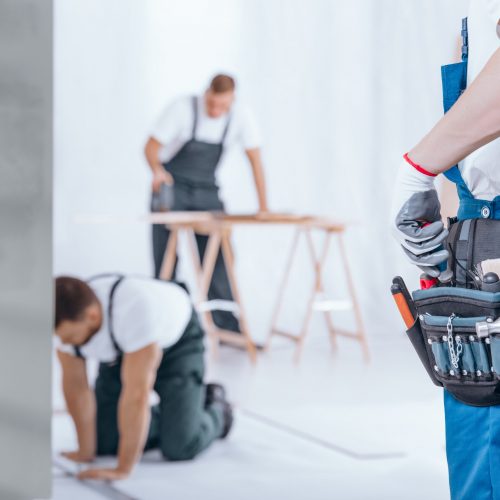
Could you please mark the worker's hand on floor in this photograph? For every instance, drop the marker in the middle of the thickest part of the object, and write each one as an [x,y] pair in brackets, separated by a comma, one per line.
[78,456]
[104,474]
[416,219]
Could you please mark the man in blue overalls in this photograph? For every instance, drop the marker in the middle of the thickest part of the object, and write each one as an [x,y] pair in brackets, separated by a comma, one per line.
[184,151]
[468,135]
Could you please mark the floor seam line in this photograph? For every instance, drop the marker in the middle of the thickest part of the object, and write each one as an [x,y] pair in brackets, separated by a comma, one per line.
[318,441]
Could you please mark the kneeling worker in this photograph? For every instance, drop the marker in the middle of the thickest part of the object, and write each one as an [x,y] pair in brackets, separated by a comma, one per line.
[147,337]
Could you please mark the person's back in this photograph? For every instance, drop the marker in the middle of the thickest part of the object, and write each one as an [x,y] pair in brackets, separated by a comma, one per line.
[144,310]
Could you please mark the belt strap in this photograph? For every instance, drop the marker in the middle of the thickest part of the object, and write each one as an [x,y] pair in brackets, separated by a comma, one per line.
[110,315]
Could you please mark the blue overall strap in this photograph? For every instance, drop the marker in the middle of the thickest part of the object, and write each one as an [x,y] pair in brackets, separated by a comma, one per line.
[454,81]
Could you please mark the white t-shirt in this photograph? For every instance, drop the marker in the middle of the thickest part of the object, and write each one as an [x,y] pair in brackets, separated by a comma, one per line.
[145,311]
[481,169]
[174,127]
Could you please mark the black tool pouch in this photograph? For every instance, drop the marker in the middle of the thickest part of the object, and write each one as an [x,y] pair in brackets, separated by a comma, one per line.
[446,342]
[471,241]
[444,335]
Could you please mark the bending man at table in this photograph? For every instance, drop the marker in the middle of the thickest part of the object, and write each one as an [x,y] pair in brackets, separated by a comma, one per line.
[146,337]
[184,151]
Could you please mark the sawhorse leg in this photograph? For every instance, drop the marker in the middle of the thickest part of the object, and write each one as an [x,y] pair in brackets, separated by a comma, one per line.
[318,288]
[227,252]
[219,240]
[170,255]
[318,264]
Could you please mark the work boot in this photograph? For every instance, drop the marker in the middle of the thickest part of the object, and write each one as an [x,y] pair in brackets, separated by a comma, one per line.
[228,419]
[214,392]
[216,396]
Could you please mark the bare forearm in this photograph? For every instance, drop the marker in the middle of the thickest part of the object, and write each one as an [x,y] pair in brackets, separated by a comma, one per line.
[151,152]
[82,408]
[133,421]
[259,177]
[472,122]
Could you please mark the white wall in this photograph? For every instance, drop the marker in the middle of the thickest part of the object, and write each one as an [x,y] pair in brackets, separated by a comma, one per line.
[341,90]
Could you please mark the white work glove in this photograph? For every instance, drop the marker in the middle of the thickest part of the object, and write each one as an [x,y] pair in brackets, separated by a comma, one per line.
[416,218]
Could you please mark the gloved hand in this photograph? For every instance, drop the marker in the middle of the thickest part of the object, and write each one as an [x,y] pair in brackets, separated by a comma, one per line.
[416,218]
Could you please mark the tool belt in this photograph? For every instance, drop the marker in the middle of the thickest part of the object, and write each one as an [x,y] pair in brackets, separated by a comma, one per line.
[456,353]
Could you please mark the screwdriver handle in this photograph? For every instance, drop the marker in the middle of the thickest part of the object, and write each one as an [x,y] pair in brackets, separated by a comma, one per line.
[402,304]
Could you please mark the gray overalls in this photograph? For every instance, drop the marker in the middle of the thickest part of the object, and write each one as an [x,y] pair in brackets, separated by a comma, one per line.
[195,188]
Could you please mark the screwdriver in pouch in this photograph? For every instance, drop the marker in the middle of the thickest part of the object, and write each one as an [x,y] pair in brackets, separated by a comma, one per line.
[404,302]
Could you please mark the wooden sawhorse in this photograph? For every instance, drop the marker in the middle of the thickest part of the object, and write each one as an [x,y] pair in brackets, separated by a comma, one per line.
[219,239]
[318,261]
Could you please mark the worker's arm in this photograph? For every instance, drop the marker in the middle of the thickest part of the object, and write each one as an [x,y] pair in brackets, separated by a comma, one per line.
[472,122]
[160,175]
[80,402]
[138,375]
[255,159]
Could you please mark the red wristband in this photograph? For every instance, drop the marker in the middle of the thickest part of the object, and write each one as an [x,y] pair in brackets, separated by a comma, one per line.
[418,167]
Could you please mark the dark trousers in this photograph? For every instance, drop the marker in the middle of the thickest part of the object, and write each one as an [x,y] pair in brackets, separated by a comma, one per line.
[181,426]
[188,197]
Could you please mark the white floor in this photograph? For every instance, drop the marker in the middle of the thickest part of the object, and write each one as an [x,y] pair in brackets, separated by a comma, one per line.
[332,428]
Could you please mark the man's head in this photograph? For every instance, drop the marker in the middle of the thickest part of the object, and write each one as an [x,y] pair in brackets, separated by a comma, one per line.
[78,311]
[219,96]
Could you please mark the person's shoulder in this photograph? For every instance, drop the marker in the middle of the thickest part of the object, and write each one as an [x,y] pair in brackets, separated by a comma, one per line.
[144,299]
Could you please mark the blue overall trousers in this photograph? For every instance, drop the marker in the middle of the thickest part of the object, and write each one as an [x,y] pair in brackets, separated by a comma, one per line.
[472,433]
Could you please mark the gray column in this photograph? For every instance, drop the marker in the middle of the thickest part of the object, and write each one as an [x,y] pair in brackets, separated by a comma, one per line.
[25,247]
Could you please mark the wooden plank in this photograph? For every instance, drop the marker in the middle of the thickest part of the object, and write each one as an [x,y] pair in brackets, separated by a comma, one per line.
[288,335]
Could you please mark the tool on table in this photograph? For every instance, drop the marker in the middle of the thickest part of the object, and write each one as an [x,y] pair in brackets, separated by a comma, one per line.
[403,300]
[163,199]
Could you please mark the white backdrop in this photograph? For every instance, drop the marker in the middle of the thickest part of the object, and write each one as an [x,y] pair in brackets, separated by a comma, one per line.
[341,91]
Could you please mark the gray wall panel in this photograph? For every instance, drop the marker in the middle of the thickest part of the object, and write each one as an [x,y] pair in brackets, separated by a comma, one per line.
[25,247]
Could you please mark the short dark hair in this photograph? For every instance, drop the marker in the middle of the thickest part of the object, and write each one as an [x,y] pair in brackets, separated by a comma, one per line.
[222,83]
[73,296]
